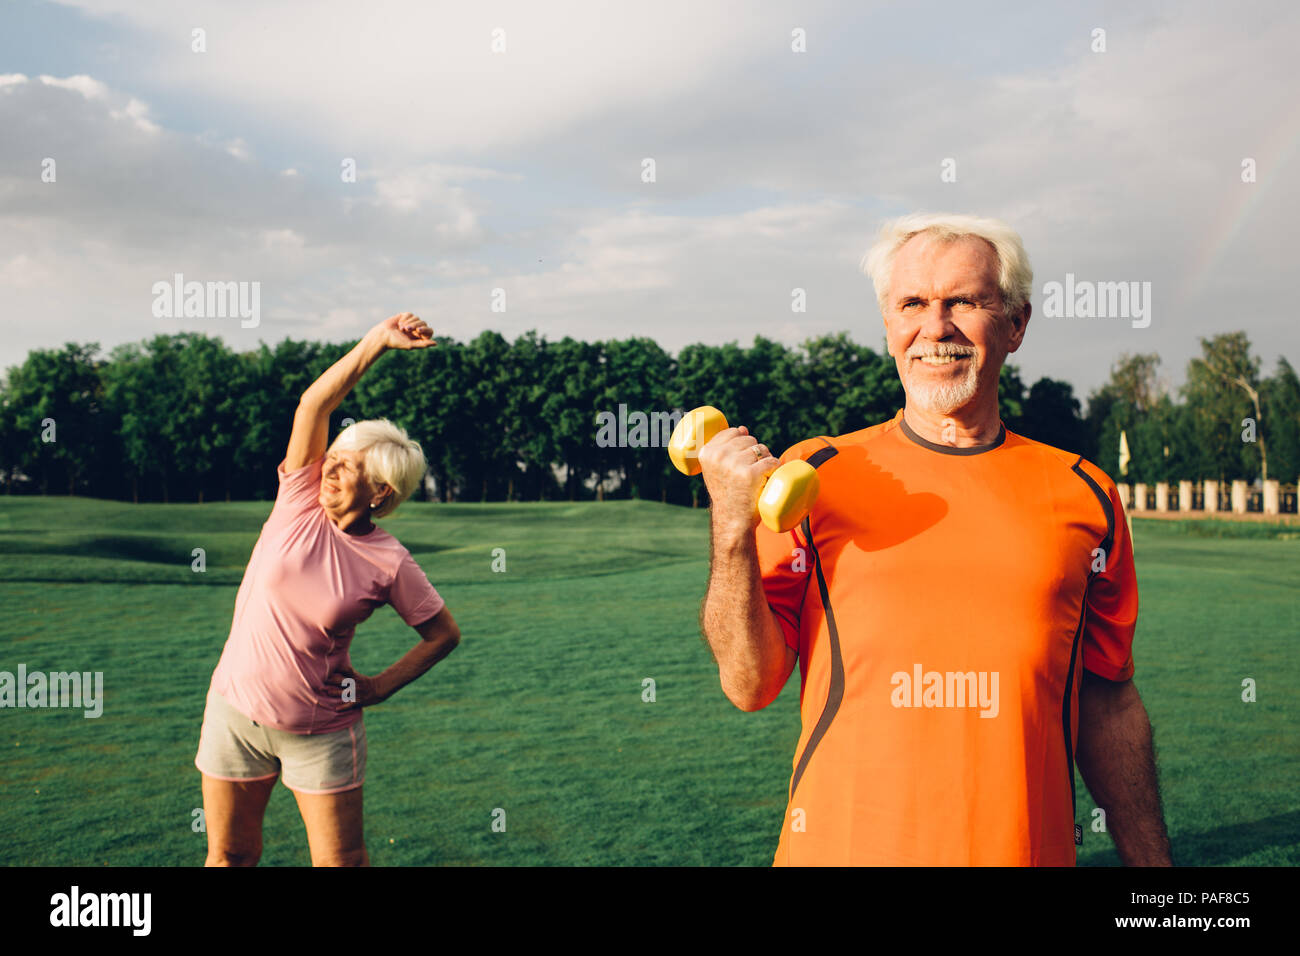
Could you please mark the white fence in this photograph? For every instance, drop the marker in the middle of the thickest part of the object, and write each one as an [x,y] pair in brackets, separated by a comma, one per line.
[1236,497]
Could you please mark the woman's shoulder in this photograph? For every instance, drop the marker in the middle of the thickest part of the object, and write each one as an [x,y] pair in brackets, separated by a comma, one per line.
[382,542]
[299,489]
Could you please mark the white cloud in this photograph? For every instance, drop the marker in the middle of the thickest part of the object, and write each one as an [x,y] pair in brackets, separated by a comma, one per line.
[133,205]
[23,272]
[87,86]
[460,269]
[282,239]
[123,107]
[413,78]
[138,113]
[774,169]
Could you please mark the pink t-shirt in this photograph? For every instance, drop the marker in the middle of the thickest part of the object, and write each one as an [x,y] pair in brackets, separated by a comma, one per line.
[306,588]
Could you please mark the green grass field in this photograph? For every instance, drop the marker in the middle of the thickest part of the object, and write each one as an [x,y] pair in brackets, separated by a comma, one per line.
[539,711]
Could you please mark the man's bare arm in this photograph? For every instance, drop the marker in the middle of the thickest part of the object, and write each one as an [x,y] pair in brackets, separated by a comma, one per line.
[1117,761]
[753,659]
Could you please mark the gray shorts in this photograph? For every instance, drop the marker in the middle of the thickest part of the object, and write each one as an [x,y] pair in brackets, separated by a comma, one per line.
[234,748]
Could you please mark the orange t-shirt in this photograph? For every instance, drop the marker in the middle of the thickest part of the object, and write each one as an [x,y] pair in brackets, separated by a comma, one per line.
[940,650]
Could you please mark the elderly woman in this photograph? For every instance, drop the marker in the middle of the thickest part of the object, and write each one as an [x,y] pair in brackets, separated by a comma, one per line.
[284,698]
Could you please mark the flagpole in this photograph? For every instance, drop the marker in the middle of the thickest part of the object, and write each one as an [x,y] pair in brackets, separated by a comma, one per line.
[1123,470]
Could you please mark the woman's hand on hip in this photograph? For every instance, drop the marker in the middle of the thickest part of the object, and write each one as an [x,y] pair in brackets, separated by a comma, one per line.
[354,690]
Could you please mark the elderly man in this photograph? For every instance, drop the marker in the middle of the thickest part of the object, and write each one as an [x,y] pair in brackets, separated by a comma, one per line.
[961,600]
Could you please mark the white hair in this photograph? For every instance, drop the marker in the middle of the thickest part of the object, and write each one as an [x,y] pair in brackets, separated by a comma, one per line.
[390,458]
[1015,277]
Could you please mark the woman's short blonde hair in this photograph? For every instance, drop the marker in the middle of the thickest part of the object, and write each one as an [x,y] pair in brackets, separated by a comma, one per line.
[391,458]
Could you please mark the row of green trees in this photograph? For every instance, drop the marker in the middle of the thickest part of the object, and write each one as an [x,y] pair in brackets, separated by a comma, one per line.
[182,417]
[1228,422]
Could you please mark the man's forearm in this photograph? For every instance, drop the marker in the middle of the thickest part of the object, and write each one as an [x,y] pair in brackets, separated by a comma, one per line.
[1117,761]
[327,392]
[742,632]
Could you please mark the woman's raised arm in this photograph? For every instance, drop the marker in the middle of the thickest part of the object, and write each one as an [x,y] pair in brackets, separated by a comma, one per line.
[310,433]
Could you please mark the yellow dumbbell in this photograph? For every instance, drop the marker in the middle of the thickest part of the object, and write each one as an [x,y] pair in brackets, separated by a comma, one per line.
[790,490]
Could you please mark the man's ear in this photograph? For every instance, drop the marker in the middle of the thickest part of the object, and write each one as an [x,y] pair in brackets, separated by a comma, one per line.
[1016,333]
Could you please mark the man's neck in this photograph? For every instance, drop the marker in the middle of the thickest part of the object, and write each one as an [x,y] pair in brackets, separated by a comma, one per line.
[962,428]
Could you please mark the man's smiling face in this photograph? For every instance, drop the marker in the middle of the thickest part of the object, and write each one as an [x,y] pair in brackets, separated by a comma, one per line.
[944,322]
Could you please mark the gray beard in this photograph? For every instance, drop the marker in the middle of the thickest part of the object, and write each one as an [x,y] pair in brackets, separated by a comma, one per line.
[945,398]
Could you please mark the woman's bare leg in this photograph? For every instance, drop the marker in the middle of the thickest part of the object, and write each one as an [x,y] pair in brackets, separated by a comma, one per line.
[232,815]
[334,830]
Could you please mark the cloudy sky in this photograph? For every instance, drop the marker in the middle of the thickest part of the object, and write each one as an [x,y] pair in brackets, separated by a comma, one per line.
[502,146]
